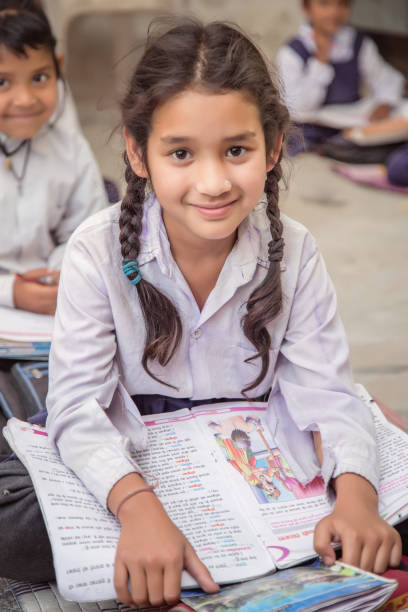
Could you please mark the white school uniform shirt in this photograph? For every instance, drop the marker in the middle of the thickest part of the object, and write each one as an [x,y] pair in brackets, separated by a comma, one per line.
[305,86]
[99,335]
[62,186]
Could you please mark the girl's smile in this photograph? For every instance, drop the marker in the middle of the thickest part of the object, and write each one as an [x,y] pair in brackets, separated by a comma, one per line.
[207,163]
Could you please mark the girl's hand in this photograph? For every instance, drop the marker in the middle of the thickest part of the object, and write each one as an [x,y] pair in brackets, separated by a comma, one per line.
[367,540]
[31,293]
[151,555]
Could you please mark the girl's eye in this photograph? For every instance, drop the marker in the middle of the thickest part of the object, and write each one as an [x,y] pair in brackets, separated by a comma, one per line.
[181,154]
[236,151]
[3,82]
[40,78]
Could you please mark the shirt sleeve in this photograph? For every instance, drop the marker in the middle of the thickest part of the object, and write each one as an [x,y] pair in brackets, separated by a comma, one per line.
[6,290]
[87,197]
[304,85]
[385,82]
[313,388]
[84,380]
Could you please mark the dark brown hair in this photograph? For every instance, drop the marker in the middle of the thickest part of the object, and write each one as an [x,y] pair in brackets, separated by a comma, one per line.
[216,57]
[23,23]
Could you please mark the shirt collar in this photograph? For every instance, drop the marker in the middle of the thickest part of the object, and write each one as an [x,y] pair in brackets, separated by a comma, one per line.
[342,42]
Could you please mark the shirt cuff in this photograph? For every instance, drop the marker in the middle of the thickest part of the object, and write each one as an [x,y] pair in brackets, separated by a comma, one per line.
[361,467]
[320,72]
[115,466]
[6,290]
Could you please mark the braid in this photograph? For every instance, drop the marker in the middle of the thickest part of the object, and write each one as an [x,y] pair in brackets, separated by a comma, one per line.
[162,321]
[266,300]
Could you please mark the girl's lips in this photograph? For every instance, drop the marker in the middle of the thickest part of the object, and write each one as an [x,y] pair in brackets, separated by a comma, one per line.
[215,211]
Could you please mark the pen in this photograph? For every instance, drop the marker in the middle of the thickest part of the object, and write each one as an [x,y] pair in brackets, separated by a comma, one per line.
[44,280]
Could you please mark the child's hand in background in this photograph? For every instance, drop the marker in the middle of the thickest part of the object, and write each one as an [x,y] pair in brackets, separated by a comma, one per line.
[36,291]
[382,111]
[152,551]
[367,540]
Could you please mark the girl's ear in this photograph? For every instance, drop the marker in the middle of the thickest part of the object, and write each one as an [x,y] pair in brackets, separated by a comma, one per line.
[134,154]
[60,60]
[274,155]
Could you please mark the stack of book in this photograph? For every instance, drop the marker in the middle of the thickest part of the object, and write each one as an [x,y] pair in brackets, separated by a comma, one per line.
[24,335]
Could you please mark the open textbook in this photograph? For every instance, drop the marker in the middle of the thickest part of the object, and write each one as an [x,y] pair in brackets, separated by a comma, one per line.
[357,115]
[24,335]
[223,482]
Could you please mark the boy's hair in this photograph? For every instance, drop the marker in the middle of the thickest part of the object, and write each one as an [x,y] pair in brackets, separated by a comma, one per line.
[216,57]
[23,23]
[305,3]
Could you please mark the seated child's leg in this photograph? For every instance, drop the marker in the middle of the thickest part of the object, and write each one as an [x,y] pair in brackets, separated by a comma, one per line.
[25,548]
[397,166]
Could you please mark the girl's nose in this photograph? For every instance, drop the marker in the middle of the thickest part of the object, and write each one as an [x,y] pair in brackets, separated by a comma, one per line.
[213,183]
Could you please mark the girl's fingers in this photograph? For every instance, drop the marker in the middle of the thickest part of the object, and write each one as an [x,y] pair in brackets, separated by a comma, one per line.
[389,554]
[172,582]
[120,581]
[138,587]
[351,549]
[396,551]
[155,582]
[199,571]
[323,538]
[374,553]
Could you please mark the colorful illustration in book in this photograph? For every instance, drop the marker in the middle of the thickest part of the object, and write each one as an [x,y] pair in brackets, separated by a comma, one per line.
[289,590]
[260,463]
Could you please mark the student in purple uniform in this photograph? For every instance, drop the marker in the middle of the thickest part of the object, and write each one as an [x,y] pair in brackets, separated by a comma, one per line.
[328,62]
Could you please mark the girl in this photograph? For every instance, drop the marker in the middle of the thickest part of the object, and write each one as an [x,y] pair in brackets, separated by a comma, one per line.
[195,289]
[50,181]
[328,62]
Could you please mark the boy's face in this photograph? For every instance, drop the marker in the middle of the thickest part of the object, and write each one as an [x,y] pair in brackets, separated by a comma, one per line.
[328,16]
[28,91]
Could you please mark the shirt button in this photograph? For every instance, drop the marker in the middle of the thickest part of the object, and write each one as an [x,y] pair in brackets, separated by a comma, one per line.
[196,333]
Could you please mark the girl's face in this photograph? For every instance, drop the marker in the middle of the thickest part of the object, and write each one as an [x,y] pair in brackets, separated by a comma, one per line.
[28,91]
[328,16]
[207,164]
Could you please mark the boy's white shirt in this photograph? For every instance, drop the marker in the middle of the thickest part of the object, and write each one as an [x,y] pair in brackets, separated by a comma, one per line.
[99,335]
[305,86]
[61,187]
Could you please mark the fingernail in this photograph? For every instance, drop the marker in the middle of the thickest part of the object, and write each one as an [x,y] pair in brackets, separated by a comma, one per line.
[328,560]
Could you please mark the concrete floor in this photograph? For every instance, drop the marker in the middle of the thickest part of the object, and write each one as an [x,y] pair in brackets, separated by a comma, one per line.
[362,232]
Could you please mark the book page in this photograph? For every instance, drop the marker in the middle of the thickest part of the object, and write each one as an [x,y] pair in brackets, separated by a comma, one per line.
[392,445]
[23,326]
[83,534]
[283,512]
[194,494]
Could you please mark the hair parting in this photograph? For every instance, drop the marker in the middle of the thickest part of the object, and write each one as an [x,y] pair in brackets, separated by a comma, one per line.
[216,57]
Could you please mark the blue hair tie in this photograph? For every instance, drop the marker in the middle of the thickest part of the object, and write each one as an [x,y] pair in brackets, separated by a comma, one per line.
[130,267]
